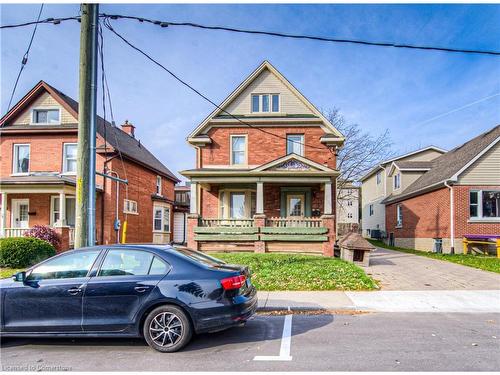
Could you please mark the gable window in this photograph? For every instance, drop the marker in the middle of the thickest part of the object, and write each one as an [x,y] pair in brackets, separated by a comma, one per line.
[370,208]
[238,149]
[484,204]
[69,157]
[129,206]
[399,216]
[397,181]
[379,177]
[265,103]
[21,161]
[161,219]
[158,185]
[46,117]
[295,144]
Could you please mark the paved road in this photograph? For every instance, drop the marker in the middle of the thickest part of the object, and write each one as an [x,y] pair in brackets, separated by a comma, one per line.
[401,271]
[374,341]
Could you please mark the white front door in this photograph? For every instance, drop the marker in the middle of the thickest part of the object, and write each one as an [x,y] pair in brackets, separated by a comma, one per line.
[20,217]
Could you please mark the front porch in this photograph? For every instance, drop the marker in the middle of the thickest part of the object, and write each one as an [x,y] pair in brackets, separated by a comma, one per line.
[29,200]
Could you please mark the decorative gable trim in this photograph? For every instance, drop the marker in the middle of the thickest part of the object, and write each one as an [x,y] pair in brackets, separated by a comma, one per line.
[326,125]
[292,162]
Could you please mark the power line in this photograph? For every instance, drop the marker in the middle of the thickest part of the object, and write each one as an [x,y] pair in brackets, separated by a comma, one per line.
[298,36]
[108,25]
[55,21]
[24,61]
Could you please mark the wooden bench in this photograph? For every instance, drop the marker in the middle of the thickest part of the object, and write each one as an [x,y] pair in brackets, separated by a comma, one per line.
[481,239]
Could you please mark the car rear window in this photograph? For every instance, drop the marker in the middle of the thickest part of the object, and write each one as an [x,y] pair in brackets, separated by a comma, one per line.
[200,257]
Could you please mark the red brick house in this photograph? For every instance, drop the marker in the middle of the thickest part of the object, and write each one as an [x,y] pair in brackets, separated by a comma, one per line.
[459,196]
[38,169]
[265,171]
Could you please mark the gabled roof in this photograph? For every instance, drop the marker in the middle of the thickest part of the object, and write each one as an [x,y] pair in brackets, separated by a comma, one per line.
[117,138]
[449,166]
[410,166]
[387,161]
[264,65]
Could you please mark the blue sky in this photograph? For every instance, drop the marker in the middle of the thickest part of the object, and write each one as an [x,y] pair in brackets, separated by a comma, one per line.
[377,88]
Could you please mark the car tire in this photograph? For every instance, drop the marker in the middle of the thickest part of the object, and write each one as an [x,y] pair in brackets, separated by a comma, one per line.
[167,329]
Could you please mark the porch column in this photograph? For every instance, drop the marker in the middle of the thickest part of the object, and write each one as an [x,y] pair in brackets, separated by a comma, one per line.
[193,202]
[259,209]
[328,199]
[62,209]
[3,214]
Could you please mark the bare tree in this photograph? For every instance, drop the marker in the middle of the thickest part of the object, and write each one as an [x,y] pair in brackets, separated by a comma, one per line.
[361,151]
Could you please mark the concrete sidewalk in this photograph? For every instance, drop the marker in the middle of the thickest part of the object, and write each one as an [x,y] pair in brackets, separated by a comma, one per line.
[464,301]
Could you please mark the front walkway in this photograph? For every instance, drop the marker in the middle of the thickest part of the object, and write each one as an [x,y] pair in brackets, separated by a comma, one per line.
[395,270]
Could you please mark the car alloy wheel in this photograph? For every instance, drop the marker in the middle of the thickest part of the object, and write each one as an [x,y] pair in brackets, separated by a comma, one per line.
[166,329]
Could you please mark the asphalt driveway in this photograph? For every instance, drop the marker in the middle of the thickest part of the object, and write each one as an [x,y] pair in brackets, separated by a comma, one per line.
[401,271]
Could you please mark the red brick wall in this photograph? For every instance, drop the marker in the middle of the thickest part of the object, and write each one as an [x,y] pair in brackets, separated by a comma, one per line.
[462,224]
[262,147]
[425,216]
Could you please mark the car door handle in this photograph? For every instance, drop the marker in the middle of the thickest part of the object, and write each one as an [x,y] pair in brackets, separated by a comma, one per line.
[74,291]
[141,289]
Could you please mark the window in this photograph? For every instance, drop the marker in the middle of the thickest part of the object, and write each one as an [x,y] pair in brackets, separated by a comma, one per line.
[484,204]
[370,208]
[129,206]
[265,103]
[21,162]
[161,219]
[70,211]
[399,216]
[158,267]
[69,157]
[295,144]
[238,149]
[379,177]
[397,181]
[65,266]
[126,263]
[158,185]
[237,205]
[46,117]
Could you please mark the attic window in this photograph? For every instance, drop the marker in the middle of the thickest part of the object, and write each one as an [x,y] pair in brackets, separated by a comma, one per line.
[265,103]
[46,117]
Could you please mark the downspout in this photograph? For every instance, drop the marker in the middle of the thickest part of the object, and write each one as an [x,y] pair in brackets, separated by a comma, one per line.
[452,217]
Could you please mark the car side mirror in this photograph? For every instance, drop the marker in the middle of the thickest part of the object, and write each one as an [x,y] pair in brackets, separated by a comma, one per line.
[20,277]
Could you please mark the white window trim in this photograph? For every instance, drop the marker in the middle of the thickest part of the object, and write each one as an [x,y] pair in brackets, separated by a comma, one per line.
[378,177]
[302,143]
[163,208]
[14,159]
[64,172]
[480,218]
[399,212]
[128,212]
[227,202]
[261,101]
[32,118]
[158,186]
[231,148]
[53,207]
[398,175]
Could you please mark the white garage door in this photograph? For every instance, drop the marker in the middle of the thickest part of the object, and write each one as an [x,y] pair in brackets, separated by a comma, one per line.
[180,227]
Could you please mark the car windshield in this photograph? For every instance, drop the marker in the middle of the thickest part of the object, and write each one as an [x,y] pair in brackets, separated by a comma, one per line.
[200,257]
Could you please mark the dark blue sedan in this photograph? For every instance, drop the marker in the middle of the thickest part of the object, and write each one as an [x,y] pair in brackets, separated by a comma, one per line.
[162,293]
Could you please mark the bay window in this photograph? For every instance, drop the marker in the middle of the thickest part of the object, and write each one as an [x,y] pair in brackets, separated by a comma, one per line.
[484,204]
[161,219]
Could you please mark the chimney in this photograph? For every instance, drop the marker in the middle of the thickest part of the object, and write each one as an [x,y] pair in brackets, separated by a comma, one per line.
[128,128]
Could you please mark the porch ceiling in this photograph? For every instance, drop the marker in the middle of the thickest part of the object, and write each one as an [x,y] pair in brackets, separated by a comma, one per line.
[39,184]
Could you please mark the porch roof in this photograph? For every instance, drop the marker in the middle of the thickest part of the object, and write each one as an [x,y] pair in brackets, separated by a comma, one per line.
[38,183]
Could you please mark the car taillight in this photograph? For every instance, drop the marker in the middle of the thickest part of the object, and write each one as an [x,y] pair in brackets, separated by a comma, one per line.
[235,282]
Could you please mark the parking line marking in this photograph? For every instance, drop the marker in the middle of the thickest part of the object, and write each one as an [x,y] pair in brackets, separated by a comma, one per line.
[286,341]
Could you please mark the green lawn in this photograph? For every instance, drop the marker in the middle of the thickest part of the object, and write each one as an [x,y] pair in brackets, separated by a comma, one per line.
[487,263]
[300,272]
[8,272]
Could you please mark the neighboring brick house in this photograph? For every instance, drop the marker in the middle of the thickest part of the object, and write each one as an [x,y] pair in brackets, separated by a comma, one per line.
[390,176]
[265,178]
[458,196]
[38,170]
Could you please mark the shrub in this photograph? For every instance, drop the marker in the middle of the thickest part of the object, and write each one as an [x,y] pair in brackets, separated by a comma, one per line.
[19,252]
[45,233]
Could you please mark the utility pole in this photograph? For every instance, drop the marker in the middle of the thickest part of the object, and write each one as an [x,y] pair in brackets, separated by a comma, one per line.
[87,117]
